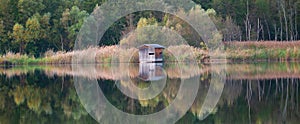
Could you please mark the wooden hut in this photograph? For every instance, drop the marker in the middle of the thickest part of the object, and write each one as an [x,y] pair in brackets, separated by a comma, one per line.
[151,71]
[151,53]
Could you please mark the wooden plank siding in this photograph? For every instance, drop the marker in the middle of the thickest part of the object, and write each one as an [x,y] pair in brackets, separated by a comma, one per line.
[151,53]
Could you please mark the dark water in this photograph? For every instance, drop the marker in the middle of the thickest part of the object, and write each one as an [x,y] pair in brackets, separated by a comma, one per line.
[232,93]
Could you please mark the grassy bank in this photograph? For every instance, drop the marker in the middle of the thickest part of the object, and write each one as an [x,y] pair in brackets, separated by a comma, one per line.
[263,51]
[234,52]
[106,54]
[17,59]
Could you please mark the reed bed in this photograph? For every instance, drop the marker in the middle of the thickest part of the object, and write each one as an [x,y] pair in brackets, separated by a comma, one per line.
[107,54]
[263,44]
[234,51]
[263,51]
[16,58]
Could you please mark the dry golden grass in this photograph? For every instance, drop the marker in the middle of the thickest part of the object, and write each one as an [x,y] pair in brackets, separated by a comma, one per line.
[116,54]
[263,51]
[254,51]
[105,54]
[187,53]
[263,44]
[124,71]
[16,58]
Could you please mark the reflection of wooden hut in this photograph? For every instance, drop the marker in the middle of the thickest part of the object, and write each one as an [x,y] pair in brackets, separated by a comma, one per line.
[151,53]
[151,71]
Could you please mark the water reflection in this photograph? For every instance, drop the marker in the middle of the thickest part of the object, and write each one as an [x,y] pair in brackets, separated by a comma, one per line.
[149,83]
[161,107]
[253,93]
[151,71]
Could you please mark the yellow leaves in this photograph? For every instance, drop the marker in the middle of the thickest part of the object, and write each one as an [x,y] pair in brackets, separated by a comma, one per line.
[33,28]
[179,28]
[32,23]
[67,109]
[215,43]
[21,1]
[149,103]
[34,100]
[19,95]
[211,12]
[18,32]
[72,108]
[144,103]
[30,94]
[65,18]
[143,22]
[23,35]
[196,11]
[47,108]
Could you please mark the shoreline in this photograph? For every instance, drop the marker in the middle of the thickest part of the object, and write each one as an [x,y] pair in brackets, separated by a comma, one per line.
[234,52]
[214,61]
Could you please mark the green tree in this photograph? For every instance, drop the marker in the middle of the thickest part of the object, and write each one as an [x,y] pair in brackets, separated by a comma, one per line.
[18,36]
[206,4]
[89,5]
[47,34]
[3,38]
[27,8]
[32,34]
[72,21]
[8,13]
[33,28]
[44,25]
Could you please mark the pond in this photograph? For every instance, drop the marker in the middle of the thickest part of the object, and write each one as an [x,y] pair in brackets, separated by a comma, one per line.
[151,93]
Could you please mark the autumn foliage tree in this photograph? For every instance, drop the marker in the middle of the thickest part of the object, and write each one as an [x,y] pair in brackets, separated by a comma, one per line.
[18,36]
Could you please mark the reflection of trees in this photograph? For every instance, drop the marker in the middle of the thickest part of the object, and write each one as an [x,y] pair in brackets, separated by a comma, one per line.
[112,71]
[202,92]
[19,95]
[232,90]
[39,100]
[155,104]
[71,105]
[206,102]
[263,71]
[45,98]
[33,98]
[109,72]
[3,95]
[259,101]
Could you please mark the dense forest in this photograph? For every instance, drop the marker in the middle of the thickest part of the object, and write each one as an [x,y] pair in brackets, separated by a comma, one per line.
[36,26]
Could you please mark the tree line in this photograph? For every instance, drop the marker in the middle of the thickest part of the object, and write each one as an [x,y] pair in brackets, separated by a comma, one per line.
[35,26]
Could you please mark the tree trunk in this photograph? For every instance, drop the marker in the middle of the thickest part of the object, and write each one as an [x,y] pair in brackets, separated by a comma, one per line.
[62,42]
[281,28]
[131,22]
[258,30]
[285,19]
[296,26]
[285,104]
[21,48]
[247,23]
[291,21]
[268,28]
[280,19]
[276,34]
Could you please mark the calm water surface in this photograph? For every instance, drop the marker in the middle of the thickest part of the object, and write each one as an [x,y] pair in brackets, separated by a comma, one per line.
[242,93]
